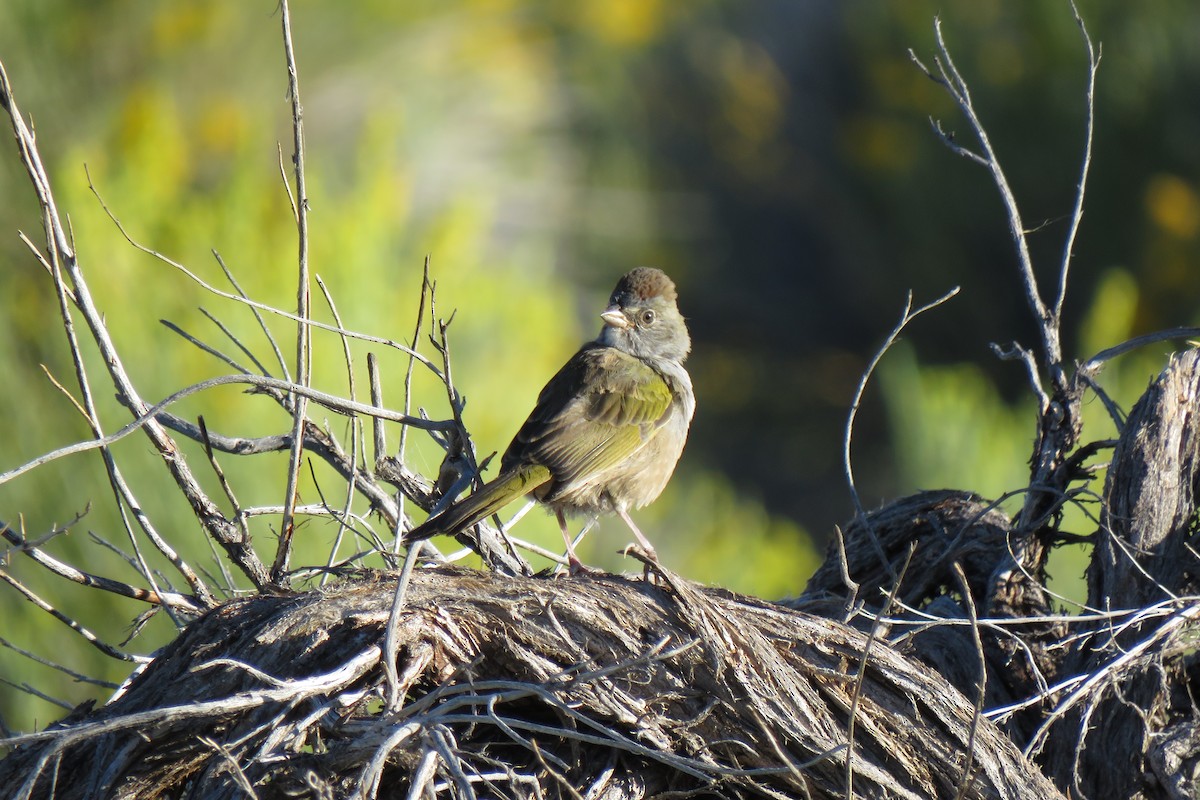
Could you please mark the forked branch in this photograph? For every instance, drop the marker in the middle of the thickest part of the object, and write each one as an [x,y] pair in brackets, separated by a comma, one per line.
[1047,317]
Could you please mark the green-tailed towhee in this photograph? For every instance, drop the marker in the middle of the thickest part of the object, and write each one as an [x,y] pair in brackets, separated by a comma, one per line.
[608,428]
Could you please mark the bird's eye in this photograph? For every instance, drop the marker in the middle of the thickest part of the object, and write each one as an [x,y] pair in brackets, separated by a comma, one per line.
[647,317]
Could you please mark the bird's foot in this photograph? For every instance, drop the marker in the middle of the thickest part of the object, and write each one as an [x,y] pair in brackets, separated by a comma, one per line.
[647,555]
[574,567]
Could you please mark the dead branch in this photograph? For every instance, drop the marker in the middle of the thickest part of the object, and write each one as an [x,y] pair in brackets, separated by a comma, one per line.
[1107,734]
[599,681]
[1017,583]
[283,551]
[62,258]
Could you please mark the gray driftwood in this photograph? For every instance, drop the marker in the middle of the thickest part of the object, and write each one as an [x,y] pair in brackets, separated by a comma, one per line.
[597,686]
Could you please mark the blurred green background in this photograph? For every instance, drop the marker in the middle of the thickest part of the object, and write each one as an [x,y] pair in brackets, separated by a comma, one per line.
[773,157]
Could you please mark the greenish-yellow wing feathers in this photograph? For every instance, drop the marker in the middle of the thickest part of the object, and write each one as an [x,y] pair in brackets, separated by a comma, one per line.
[600,408]
[636,396]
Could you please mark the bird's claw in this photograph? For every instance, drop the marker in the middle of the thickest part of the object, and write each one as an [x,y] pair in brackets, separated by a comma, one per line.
[574,567]
[648,557]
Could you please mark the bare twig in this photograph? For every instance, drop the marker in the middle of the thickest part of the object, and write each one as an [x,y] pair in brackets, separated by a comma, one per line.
[861,678]
[408,373]
[77,676]
[230,495]
[30,690]
[283,551]
[356,442]
[1015,352]
[245,299]
[965,588]
[950,79]
[212,351]
[191,605]
[88,636]
[378,436]
[320,444]
[906,316]
[234,338]
[64,265]
[426,294]
[149,416]
[1108,354]
[1085,165]
[391,641]
[253,304]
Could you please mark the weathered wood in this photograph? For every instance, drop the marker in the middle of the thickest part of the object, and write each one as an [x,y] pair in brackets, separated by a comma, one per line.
[942,528]
[929,539]
[1139,713]
[1149,536]
[614,686]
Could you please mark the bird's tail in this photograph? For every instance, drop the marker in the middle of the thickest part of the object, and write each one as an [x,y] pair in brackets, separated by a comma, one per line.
[483,503]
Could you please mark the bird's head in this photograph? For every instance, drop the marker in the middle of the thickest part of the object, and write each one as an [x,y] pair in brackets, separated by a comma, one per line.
[643,319]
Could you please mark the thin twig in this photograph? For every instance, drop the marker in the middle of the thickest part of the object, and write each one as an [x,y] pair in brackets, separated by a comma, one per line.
[149,416]
[964,586]
[254,304]
[379,439]
[355,425]
[949,78]
[58,243]
[318,444]
[123,493]
[283,551]
[88,636]
[230,495]
[76,676]
[426,289]
[262,324]
[906,316]
[1015,352]
[861,678]
[25,687]
[62,260]
[64,570]
[408,373]
[390,643]
[212,351]
[1110,353]
[236,341]
[1085,165]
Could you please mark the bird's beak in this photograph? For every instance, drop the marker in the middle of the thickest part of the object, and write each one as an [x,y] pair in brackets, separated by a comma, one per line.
[614,317]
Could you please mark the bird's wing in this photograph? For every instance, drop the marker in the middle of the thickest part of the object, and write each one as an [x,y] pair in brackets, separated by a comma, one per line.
[600,408]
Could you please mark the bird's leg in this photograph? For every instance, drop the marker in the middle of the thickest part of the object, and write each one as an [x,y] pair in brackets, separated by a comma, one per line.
[591,523]
[576,566]
[642,540]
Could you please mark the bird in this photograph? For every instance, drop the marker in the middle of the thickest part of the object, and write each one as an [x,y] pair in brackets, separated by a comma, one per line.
[608,429]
